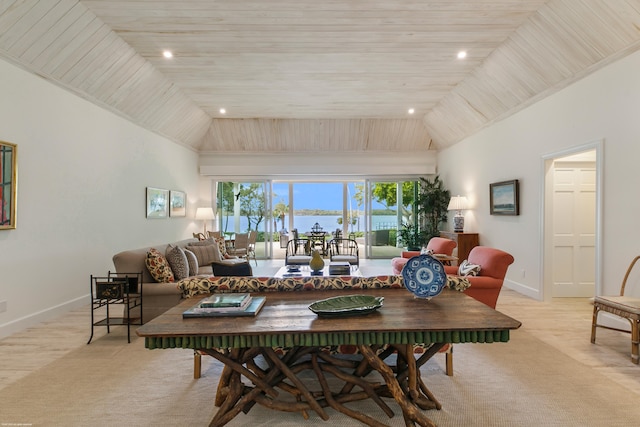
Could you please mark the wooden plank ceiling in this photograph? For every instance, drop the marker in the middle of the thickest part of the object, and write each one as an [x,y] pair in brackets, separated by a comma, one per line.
[307,75]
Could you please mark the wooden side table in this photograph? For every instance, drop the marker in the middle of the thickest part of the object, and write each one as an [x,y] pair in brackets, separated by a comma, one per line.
[465,242]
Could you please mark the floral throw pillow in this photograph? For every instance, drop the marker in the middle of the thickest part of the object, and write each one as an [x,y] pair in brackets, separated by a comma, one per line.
[467,269]
[222,247]
[158,266]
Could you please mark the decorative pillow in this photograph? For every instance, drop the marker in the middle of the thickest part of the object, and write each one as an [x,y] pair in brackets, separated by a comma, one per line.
[203,242]
[177,261]
[205,254]
[192,261]
[467,269]
[222,246]
[158,266]
[425,251]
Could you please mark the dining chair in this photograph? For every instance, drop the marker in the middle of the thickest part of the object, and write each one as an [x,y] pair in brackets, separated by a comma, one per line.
[626,307]
[213,234]
[251,247]
[240,246]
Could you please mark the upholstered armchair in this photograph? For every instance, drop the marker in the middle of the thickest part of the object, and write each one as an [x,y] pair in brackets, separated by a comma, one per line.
[485,287]
[438,245]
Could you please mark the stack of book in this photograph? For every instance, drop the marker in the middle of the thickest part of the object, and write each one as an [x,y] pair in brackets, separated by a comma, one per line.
[226,305]
[339,268]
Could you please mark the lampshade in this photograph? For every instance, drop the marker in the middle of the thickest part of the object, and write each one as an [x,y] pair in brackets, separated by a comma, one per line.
[205,213]
[457,203]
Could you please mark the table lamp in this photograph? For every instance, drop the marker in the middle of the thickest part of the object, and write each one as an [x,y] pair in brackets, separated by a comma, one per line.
[458,204]
[205,214]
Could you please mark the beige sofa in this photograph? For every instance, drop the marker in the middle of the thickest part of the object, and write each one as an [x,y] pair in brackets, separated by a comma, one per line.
[159,297]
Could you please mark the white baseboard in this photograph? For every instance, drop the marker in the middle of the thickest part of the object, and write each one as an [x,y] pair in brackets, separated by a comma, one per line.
[25,322]
[522,289]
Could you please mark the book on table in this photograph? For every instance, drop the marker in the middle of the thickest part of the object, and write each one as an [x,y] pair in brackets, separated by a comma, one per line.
[251,309]
[226,301]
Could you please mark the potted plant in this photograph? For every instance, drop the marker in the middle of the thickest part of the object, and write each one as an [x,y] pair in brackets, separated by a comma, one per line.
[411,236]
[431,205]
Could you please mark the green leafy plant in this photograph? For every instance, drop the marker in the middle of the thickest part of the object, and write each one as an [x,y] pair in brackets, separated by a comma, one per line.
[411,236]
[431,203]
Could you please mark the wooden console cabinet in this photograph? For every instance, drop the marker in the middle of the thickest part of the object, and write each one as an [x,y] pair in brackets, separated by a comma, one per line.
[465,241]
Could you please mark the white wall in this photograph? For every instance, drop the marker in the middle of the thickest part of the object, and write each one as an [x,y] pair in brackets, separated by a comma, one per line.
[603,106]
[82,173]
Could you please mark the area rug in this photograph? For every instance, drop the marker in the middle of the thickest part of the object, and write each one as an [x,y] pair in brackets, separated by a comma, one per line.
[524,382]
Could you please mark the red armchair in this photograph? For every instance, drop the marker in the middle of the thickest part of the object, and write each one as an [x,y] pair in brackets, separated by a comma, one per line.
[485,287]
[438,245]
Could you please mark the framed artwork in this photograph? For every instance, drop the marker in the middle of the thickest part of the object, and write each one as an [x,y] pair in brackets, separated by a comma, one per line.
[157,203]
[178,206]
[8,184]
[504,198]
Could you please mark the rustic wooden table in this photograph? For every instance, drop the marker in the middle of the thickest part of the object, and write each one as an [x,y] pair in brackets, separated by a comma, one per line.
[286,322]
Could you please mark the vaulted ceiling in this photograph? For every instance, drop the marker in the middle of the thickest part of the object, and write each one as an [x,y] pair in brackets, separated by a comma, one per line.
[308,75]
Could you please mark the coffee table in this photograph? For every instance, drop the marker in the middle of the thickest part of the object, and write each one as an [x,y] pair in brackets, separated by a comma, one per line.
[305,271]
[242,344]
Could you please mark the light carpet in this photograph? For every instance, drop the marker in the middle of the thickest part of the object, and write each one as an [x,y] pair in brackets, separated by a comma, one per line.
[524,382]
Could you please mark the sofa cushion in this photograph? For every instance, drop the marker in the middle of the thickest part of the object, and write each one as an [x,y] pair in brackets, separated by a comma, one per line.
[177,261]
[205,254]
[158,266]
[208,242]
[192,261]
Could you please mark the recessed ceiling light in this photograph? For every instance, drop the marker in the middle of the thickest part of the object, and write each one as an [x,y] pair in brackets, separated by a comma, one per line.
[411,111]
[167,54]
[462,54]
[223,111]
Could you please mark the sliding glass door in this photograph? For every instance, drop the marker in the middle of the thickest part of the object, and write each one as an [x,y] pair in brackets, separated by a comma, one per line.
[243,207]
[370,212]
[389,206]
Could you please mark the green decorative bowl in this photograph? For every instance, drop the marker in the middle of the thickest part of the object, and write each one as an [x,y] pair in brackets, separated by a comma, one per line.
[348,305]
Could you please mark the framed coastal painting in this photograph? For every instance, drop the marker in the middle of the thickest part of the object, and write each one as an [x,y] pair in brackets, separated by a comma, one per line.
[8,185]
[504,198]
[157,203]
[178,205]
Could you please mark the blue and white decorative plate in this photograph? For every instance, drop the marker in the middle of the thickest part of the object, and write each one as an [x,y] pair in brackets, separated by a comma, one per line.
[424,276]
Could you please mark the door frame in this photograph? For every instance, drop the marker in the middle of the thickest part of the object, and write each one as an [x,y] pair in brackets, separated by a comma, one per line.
[546,209]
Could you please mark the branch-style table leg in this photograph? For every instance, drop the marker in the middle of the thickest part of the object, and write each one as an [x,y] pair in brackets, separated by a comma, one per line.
[402,382]
[310,399]
[337,406]
[409,409]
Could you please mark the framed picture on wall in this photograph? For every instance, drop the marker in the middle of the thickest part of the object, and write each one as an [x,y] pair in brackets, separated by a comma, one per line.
[157,203]
[504,198]
[8,184]
[178,205]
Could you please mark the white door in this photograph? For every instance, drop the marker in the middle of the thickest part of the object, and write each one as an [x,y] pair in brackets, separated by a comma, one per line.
[574,227]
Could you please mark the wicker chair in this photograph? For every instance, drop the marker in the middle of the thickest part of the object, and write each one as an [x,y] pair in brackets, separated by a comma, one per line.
[623,306]
[240,246]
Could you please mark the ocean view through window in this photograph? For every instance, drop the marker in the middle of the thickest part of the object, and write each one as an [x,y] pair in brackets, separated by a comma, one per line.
[365,211]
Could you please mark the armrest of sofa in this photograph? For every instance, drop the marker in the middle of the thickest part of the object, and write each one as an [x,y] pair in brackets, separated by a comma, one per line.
[235,269]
